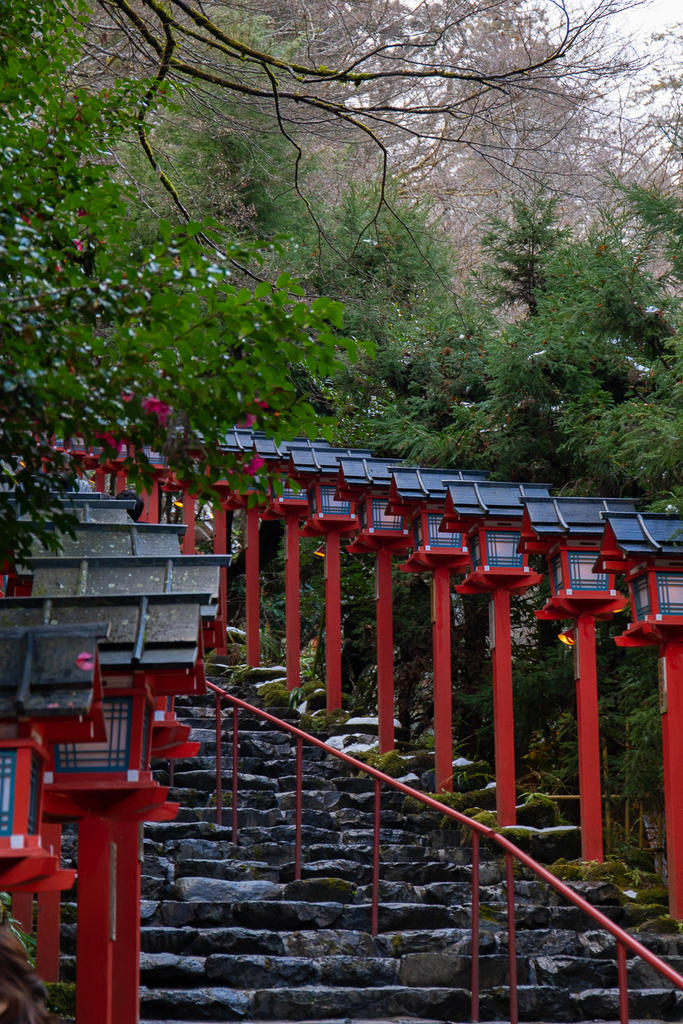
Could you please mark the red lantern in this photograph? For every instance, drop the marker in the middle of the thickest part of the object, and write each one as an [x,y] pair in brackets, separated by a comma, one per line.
[366,482]
[649,550]
[418,495]
[490,514]
[50,691]
[568,532]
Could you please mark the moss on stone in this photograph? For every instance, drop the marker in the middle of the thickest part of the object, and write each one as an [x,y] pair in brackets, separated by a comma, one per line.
[61,997]
[663,925]
[321,890]
[68,913]
[390,763]
[519,836]
[274,695]
[488,818]
[538,811]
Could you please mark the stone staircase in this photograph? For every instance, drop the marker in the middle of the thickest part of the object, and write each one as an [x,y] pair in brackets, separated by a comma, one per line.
[227,934]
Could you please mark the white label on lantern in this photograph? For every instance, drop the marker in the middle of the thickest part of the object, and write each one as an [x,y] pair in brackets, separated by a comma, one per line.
[159,716]
[16,842]
[133,775]
[663,704]
[49,778]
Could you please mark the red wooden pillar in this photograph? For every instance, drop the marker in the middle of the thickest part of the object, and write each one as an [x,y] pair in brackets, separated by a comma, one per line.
[100,480]
[385,650]
[441,643]
[121,482]
[590,782]
[96,929]
[22,910]
[333,621]
[252,586]
[47,928]
[671,706]
[153,503]
[126,953]
[220,547]
[292,602]
[189,513]
[503,716]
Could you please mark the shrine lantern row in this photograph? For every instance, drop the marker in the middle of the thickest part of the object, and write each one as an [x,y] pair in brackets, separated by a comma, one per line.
[153,610]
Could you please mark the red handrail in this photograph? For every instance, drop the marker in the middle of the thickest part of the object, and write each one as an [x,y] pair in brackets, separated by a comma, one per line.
[624,940]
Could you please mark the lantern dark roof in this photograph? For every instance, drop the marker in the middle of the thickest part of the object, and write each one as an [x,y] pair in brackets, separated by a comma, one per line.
[155,631]
[366,472]
[88,507]
[417,484]
[40,669]
[489,497]
[116,539]
[553,516]
[271,452]
[102,575]
[315,461]
[648,534]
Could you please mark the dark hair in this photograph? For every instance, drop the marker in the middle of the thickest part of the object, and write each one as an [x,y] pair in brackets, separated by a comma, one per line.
[20,986]
[130,495]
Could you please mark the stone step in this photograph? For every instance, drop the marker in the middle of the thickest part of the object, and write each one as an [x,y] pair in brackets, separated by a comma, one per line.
[307,1003]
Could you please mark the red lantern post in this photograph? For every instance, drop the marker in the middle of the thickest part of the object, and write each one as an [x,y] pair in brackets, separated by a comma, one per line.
[366,482]
[647,548]
[327,518]
[489,515]
[568,532]
[418,495]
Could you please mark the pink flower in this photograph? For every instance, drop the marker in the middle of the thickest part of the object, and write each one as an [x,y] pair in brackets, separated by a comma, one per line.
[252,467]
[79,245]
[127,396]
[85,661]
[155,405]
[264,405]
[250,420]
[108,439]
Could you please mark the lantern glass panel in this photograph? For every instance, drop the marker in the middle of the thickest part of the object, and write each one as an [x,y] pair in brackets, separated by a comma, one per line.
[380,520]
[110,756]
[442,540]
[330,503]
[363,515]
[670,593]
[556,569]
[33,796]
[501,548]
[417,531]
[581,573]
[8,771]
[476,551]
[641,597]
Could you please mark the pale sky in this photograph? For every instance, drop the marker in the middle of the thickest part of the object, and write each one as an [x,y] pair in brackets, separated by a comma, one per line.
[654,16]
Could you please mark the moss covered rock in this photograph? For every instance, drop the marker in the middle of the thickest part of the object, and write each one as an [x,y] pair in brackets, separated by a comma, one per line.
[390,763]
[484,798]
[663,925]
[538,811]
[321,890]
[61,998]
[488,818]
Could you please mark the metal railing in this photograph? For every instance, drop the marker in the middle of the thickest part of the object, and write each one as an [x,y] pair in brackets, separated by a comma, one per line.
[623,939]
